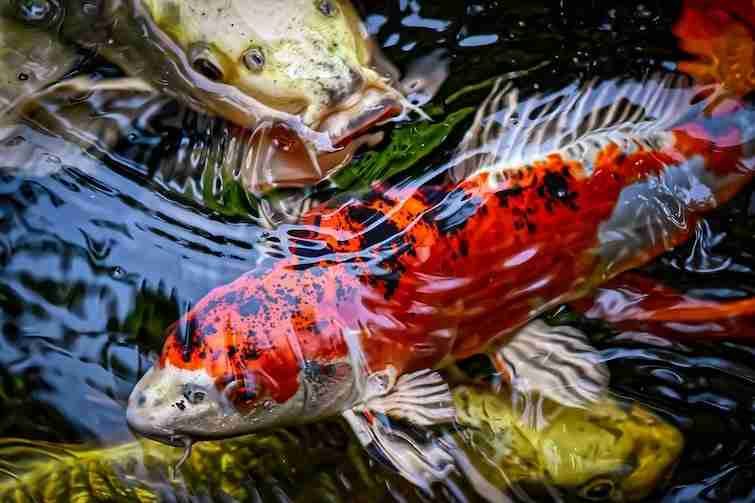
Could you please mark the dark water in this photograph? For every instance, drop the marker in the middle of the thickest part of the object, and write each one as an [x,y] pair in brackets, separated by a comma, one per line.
[96,261]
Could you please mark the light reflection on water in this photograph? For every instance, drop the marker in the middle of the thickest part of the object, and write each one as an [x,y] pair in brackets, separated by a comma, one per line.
[98,258]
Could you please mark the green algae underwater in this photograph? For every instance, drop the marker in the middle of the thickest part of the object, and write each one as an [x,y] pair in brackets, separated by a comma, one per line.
[578,452]
[96,264]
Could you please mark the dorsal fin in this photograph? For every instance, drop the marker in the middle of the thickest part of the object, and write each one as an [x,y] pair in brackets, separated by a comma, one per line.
[510,132]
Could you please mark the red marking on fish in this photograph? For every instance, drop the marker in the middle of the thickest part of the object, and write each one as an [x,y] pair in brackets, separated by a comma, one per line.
[428,273]
[636,303]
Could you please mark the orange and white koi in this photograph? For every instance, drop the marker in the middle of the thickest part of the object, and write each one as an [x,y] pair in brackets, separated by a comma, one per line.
[353,309]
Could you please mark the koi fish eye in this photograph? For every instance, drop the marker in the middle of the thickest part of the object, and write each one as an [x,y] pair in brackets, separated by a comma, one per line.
[254,59]
[244,392]
[327,8]
[204,62]
[598,490]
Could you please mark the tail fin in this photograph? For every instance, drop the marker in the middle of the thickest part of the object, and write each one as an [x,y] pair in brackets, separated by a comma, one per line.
[635,302]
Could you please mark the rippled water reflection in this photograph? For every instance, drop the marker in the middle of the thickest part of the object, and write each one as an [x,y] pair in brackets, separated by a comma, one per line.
[99,257]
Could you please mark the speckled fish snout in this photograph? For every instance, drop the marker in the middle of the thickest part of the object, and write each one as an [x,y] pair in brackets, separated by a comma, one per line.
[164,399]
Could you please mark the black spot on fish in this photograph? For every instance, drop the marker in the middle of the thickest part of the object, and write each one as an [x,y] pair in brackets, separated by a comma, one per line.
[453,213]
[556,185]
[319,291]
[209,307]
[232,351]
[391,282]
[250,307]
[503,196]
[379,228]
[464,248]
[180,405]
[250,353]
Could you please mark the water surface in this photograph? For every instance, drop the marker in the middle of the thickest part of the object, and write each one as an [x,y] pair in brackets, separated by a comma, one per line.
[97,259]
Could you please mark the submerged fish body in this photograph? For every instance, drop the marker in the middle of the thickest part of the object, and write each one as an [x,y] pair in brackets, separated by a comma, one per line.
[303,76]
[608,452]
[29,60]
[646,450]
[364,297]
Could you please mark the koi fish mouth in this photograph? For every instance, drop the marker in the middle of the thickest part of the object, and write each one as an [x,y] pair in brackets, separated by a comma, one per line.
[140,424]
[373,108]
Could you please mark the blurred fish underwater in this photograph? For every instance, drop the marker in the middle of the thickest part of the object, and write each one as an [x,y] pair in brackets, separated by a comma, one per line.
[106,243]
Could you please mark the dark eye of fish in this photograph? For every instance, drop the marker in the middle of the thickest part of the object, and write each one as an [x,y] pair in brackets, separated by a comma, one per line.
[208,69]
[327,8]
[254,59]
[598,490]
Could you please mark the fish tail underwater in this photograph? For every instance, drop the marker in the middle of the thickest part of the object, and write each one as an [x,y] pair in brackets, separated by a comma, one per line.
[545,293]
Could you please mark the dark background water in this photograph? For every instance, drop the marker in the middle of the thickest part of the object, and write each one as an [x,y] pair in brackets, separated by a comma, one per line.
[95,262]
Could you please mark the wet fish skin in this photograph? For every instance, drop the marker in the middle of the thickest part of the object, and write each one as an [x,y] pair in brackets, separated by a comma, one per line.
[315,66]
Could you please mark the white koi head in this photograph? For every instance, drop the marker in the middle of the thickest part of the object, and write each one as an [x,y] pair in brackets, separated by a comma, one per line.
[170,404]
[247,357]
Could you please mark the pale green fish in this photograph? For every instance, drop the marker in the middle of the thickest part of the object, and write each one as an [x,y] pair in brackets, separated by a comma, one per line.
[306,57]
[303,75]
[30,60]
[607,453]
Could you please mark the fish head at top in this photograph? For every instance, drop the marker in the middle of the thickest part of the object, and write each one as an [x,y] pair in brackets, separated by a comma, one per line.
[307,58]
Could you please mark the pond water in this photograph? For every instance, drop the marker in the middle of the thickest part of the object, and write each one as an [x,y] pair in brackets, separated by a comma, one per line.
[99,257]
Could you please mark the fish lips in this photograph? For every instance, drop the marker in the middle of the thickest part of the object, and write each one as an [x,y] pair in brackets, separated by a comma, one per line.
[141,425]
[374,108]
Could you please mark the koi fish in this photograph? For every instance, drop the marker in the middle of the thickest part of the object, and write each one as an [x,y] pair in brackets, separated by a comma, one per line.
[353,310]
[719,36]
[302,75]
[609,452]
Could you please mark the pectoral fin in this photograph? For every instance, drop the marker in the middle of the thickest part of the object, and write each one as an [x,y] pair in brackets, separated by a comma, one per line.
[553,362]
[418,399]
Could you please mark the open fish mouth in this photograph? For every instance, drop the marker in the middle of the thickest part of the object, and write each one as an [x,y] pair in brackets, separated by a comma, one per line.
[141,424]
[372,109]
